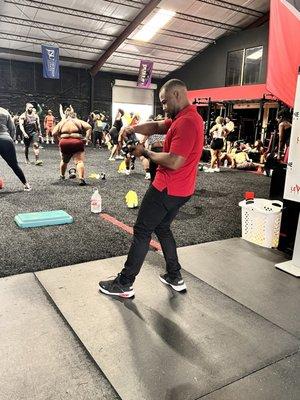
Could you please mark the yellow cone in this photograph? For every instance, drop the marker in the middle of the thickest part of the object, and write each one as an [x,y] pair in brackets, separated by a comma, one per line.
[132,200]
[122,167]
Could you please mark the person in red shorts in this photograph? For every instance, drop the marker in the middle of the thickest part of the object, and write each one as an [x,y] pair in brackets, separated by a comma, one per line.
[173,186]
[49,124]
[72,134]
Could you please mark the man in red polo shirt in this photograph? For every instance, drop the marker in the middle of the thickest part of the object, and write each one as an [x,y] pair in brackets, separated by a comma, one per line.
[173,186]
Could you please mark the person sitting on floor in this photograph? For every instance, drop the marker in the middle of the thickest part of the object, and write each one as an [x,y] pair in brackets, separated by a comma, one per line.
[227,158]
[256,153]
[239,159]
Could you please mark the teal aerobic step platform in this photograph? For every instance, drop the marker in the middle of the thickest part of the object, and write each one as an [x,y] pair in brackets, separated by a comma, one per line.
[43,218]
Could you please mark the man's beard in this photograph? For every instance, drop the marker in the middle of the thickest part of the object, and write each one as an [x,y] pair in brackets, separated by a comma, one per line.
[29,111]
[171,114]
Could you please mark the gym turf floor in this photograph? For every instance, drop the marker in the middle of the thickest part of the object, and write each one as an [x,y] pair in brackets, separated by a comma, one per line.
[212,214]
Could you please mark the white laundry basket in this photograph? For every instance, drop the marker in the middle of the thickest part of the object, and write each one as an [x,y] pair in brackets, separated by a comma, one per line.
[261,221]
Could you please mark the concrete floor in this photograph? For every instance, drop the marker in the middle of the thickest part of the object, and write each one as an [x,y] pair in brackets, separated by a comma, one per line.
[233,335]
[276,382]
[39,356]
[246,273]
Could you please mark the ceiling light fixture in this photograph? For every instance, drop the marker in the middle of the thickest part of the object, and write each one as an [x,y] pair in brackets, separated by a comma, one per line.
[161,18]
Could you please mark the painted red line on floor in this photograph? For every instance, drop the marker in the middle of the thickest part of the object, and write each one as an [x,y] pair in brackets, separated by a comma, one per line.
[127,229]
[255,172]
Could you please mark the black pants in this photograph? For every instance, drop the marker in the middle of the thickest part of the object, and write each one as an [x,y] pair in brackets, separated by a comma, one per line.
[19,134]
[152,165]
[27,142]
[8,153]
[156,214]
[97,135]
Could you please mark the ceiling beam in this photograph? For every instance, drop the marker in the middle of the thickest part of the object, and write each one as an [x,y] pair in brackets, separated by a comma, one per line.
[87,49]
[56,28]
[233,7]
[161,47]
[25,53]
[103,18]
[113,20]
[68,11]
[127,31]
[128,3]
[260,21]
[31,54]
[219,3]
[38,41]
[208,22]
[187,36]
[88,34]
[132,56]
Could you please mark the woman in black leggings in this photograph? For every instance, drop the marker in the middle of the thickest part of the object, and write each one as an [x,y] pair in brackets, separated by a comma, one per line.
[7,147]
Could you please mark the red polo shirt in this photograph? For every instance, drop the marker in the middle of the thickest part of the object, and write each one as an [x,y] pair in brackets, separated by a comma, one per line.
[184,138]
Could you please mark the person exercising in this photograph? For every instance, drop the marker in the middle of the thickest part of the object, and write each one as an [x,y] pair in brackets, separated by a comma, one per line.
[7,148]
[173,186]
[62,113]
[71,133]
[49,124]
[30,127]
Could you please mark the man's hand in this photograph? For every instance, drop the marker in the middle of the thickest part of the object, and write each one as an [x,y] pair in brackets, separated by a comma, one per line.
[125,132]
[137,150]
[26,136]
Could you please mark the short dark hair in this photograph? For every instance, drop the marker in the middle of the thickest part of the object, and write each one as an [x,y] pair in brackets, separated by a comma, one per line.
[172,83]
[285,114]
[121,111]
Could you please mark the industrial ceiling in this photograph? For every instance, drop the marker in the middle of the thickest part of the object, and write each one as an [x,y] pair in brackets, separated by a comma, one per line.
[98,35]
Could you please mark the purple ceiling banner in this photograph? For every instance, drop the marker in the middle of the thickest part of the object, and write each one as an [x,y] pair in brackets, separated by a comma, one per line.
[145,74]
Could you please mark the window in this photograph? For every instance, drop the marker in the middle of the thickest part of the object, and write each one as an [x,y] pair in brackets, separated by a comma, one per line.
[252,65]
[244,66]
[234,68]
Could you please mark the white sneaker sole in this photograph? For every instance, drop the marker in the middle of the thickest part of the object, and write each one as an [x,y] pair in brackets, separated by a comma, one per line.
[125,295]
[178,288]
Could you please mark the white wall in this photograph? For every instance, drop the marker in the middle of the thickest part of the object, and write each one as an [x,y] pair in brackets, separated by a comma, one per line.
[132,99]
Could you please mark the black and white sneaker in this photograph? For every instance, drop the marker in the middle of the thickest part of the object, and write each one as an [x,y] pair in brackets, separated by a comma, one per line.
[175,283]
[82,182]
[115,288]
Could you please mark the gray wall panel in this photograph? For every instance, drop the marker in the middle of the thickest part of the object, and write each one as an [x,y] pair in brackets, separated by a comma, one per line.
[208,69]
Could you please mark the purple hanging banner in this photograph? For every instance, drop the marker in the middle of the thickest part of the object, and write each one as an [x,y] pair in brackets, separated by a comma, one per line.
[145,74]
[50,62]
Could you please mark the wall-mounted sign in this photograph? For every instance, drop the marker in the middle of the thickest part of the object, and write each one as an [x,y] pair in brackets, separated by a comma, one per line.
[292,182]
